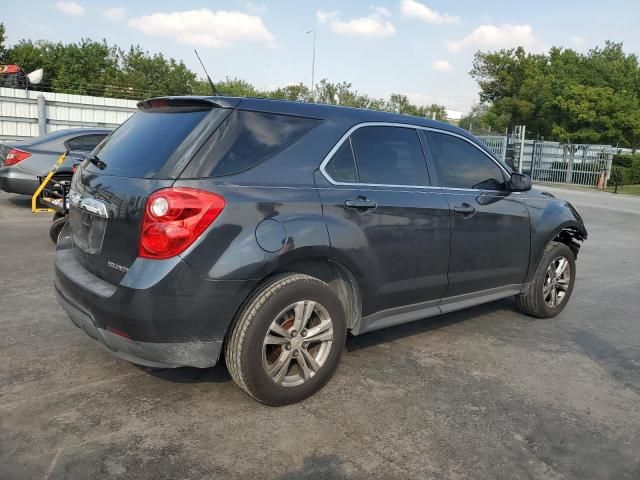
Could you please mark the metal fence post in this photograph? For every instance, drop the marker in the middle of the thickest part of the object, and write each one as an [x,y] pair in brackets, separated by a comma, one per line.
[569,176]
[42,114]
[609,162]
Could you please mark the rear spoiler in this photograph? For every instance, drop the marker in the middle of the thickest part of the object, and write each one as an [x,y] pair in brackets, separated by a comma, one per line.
[189,102]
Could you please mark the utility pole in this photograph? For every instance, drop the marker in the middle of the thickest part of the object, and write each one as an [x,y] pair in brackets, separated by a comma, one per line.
[313,62]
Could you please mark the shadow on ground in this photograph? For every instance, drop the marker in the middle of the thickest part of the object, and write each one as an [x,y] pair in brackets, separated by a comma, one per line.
[220,374]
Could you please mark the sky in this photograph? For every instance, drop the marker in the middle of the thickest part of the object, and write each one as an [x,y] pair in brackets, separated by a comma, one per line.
[422,48]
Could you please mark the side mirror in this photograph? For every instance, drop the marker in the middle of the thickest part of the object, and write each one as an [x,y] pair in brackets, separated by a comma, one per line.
[35,77]
[519,182]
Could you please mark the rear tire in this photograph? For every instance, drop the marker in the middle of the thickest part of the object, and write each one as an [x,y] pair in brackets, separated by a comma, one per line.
[292,320]
[56,227]
[552,283]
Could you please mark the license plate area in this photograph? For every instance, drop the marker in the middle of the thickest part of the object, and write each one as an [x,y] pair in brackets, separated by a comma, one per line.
[87,230]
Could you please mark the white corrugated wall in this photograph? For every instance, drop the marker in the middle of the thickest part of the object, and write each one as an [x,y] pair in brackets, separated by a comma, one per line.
[19,112]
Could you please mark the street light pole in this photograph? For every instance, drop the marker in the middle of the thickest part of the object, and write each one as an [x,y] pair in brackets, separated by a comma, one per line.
[313,62]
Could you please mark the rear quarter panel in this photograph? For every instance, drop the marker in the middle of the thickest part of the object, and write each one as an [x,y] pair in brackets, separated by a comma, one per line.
[241,244]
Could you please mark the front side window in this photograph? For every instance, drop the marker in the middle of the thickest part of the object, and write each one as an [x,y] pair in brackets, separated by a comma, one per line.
[462,165]
[383,155]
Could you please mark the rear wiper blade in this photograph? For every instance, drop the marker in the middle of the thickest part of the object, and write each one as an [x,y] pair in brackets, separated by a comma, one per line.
[97,162]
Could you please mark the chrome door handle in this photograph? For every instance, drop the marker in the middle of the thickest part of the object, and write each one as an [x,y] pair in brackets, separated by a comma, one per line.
[361,203]
[464,209]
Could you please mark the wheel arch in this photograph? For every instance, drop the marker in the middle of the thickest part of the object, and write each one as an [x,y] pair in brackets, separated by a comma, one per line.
[569,232]
[335,274]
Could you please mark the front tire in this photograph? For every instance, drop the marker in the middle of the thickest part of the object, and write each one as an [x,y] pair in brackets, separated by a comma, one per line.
[287,339]
[552,284]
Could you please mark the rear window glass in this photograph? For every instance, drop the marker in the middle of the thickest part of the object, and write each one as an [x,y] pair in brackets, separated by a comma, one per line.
[141,146]
[245,139]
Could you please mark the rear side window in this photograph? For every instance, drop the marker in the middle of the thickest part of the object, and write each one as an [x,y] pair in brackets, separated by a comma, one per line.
[142,145]
[383,155]
[84,143]
[245,139]
[92,141]
[462,165]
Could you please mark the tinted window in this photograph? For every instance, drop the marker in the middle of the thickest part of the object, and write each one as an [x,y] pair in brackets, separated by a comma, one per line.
[461,165]
[74,144]
[141,146]
[342,167]
[389,155]
[245,139]
[84,143]
[91,141]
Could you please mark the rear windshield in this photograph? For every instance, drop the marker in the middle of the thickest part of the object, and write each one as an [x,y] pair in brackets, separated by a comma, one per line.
[142,145]
[244,139]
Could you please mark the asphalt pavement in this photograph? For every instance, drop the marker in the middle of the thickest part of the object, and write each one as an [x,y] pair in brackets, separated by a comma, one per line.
[485,393]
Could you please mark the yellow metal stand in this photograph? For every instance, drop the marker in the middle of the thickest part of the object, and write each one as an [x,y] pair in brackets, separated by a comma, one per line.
[34,199]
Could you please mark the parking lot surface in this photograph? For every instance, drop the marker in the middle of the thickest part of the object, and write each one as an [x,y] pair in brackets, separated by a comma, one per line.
[481,393]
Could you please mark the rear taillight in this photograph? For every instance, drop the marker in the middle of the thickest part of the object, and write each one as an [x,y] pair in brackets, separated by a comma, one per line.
[15,156]
[174,218]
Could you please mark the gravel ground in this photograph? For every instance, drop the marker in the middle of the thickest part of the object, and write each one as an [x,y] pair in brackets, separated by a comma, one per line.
[482,393]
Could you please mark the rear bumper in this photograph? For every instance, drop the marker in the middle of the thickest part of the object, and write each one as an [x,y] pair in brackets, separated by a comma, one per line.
[160,315]
[13,179]
[150,354]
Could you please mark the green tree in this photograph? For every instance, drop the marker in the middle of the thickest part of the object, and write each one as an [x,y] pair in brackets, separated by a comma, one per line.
[399,103]
[3,38]
[298,93]
[563,94]
[148,75]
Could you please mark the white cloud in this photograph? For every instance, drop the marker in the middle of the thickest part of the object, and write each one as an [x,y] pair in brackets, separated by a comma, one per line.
[114,14]
[413,9]
[442,66]
[381,11]
[70,8]
[326,16]
[495,37]
[205,28]
[374,25]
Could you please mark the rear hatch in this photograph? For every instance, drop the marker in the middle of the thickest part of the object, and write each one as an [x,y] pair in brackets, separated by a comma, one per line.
[109,193]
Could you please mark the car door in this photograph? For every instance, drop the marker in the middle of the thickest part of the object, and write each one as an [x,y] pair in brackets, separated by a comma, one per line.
[490,228]
[386,221]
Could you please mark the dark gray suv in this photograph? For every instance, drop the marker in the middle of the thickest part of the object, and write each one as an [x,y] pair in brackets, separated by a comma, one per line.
[265,231]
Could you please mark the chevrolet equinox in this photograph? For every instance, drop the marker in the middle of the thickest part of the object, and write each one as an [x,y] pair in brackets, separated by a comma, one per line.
[264,231]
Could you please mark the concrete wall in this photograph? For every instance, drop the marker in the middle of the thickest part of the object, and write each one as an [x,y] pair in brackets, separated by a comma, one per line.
[23,114]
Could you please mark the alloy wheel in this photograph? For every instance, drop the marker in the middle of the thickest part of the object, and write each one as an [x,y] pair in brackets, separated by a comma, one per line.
[557,281]
[297,343]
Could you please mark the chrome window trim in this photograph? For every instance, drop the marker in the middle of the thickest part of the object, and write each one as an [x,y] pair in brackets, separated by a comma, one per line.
[344,137]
